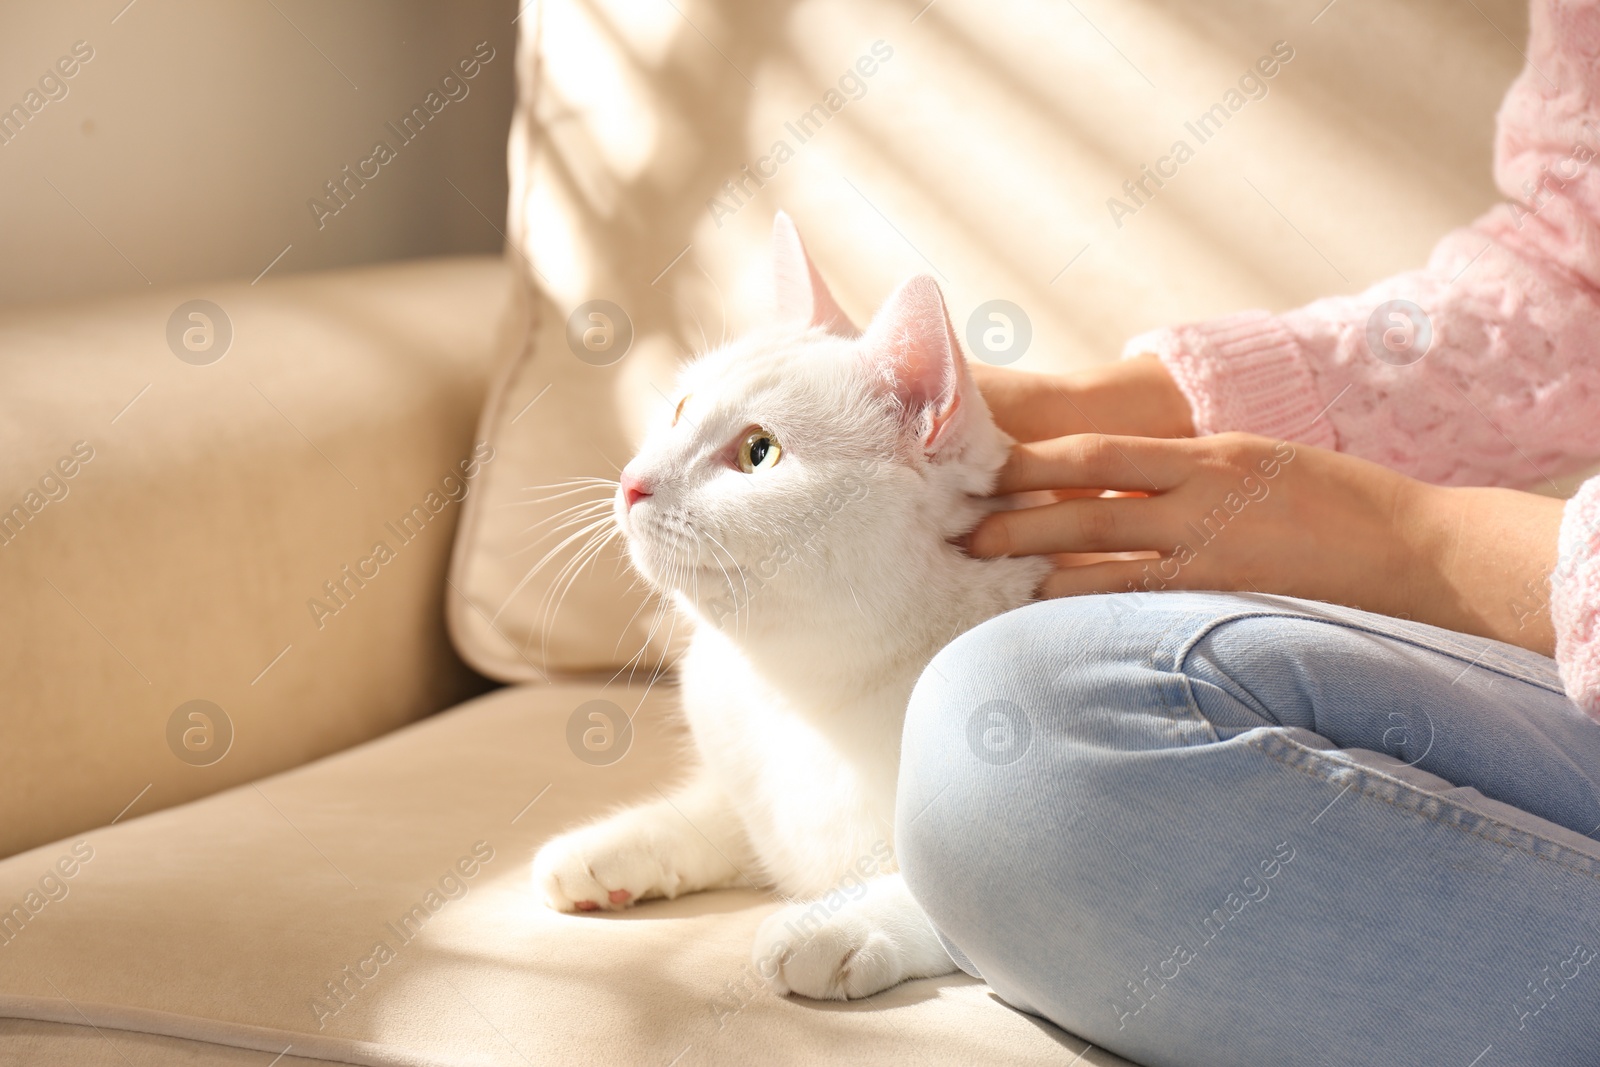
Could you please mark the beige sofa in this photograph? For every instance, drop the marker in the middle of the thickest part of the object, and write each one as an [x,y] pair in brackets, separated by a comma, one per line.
[312,865]
[233,928]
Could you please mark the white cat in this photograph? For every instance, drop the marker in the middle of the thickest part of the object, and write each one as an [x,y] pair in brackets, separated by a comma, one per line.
[799,506]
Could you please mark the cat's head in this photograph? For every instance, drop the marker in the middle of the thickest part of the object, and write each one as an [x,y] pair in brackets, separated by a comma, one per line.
[808,459]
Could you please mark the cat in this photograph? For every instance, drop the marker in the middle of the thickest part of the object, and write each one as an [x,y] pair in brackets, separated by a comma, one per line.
[801,505]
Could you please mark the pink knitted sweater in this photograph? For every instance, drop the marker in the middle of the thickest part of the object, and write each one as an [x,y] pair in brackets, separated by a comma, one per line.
[1491,374]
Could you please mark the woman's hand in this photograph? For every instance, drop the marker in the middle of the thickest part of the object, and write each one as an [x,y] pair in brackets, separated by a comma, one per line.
[1245,513]
[1134,396]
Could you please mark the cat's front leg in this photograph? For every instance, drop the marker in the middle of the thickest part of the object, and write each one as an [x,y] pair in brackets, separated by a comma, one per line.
[854,950]
[687,841]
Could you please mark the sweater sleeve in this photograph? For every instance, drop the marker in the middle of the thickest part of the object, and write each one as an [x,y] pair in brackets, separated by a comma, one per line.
[1483,368]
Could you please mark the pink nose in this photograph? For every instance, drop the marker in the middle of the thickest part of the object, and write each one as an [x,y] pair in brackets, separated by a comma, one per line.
[633,489]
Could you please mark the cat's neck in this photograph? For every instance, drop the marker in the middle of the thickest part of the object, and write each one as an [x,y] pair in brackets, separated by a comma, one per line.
[844,634]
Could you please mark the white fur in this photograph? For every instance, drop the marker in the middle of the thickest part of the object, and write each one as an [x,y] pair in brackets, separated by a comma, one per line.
[843,582]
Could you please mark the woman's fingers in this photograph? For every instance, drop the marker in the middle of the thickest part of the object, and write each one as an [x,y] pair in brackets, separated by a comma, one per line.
[1088,524]
[1096,461]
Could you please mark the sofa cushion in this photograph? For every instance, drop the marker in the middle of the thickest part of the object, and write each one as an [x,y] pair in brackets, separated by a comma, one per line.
[215,492]
[375,908]
[29,1041]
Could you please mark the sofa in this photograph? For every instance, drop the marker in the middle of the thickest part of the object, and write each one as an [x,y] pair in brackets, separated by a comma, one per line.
[270,792]
[329,903]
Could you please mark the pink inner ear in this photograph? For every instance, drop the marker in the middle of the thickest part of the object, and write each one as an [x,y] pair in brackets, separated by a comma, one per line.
[911,337]
[801,294]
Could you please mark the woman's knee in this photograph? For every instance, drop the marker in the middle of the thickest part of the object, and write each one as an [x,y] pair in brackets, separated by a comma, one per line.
[1003,708]
[1036,747]
[1056,666]
[1009,730]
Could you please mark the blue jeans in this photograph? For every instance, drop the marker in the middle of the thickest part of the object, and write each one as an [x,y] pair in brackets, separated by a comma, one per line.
[1202,829]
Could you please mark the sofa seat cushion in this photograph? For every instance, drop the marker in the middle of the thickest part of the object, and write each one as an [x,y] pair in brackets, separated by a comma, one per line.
[375,908]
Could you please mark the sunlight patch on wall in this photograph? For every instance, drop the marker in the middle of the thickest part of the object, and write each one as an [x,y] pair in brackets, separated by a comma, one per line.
[649,26]
[602,87]
[556,247]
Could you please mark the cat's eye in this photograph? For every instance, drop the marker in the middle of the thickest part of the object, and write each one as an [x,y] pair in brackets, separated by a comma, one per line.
[759,451]
[676,415]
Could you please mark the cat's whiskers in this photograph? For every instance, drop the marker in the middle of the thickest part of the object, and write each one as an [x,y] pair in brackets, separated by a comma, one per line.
[577,513]
[644,602]
[632,662]
[738,605]
[598,530]
[722,306]
[568,576]
[584,522]
[568,488]
[664,608]
[704,341]
[583,532]
[662,604]
[661,664]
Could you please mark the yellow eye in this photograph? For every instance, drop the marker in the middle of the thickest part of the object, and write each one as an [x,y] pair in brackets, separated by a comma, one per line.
[679,413]
[758,451]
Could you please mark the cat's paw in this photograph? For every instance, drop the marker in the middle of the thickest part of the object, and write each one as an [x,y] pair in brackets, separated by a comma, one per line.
[605,867]
[841,956]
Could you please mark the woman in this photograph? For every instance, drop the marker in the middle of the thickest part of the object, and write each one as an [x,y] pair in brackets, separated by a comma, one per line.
[1347,822]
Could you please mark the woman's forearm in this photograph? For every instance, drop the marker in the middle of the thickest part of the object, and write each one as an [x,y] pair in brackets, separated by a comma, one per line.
[1135,397]
[1483,561]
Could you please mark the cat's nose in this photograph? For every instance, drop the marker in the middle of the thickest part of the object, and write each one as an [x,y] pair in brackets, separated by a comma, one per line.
[634,489]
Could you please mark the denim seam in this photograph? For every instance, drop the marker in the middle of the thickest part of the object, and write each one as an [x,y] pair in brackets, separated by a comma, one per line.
[1187,708]
[1180,674]
[1467,819]
[1301,616]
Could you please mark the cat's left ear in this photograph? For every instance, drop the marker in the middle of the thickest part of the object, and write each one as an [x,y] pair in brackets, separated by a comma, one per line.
[914,345]
[802,296]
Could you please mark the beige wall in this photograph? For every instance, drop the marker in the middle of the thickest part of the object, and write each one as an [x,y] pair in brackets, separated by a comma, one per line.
[987,148]
[188,146]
